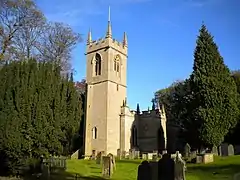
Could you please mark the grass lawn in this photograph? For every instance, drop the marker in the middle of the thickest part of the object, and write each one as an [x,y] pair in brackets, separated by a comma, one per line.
[222,169]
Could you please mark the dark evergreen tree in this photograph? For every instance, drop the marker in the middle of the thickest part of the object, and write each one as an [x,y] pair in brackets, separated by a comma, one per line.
[214,107]
[138,109]
[40,112]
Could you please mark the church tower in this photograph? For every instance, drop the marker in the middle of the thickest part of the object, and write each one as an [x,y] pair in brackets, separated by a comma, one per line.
[106,91]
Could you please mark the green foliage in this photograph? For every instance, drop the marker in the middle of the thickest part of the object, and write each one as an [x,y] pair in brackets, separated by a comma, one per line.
[215,107]
[40,111]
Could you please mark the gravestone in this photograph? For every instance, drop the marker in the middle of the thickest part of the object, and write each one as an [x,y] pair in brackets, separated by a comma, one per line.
[187,151]
[144,156]
[224,149]
[154,157]
[230,150]
[46,171]
[154,169]
[107,168]
[99,158]
[215,150]
[193,154]
[112,158]
[137,155]
[199,158]
[179,168]
[150,155]
[237,149]
[93,156]
[144,171]
[164,152]
[123,154]
[119,154]
[166,168]
[219,150]
[131,154]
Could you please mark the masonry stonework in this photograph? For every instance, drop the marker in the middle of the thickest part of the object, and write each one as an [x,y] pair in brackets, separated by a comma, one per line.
[109,123]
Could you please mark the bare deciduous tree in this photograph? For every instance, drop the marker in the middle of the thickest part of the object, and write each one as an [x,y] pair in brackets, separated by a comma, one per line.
[25,33]
[56,44]
[15,15]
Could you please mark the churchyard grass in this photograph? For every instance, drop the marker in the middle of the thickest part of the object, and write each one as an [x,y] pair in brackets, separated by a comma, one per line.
[222,168]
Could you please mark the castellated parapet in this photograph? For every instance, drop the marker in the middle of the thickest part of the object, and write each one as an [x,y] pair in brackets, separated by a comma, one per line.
[106,43]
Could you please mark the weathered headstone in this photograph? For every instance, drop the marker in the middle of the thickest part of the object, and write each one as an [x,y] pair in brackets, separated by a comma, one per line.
[164,152]
[144,156]
[193,154]
[46,171]
[215,150]
[219,150]
[230,150]
[112,158]
[208,158]
[166,168]
[137,155]
[237,149]
[99,158]
[106,167]
[119,154]
[179,168]
[199,158]
[204,158]
[144,171]
[154,169]
[154,157]
[131,154]
[93,156]
[224,149]
[187,151]
[150,155]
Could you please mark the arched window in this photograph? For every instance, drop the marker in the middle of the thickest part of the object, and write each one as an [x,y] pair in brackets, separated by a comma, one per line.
[117,63]
[98,63]
[134,136]
[94,133]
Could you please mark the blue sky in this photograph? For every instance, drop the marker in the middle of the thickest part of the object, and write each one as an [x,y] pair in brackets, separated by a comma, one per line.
[161,36]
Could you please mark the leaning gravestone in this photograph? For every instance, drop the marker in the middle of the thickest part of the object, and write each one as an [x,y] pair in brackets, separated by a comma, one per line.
[179,168]
[230,150]
[166,168]
[144,171]
[107,168]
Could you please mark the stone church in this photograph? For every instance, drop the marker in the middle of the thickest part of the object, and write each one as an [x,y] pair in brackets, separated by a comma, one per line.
[110,125]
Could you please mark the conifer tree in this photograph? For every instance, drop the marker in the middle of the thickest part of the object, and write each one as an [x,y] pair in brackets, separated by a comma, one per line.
[40,112]
[214,105]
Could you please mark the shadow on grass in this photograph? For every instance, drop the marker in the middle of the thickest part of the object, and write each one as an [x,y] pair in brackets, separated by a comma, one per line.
[129,161]
[63,175]
[225,170]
